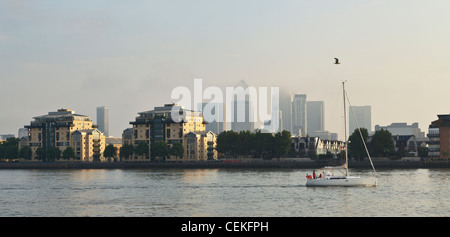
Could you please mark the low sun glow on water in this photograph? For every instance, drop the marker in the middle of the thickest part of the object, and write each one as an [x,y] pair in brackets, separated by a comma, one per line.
[219,192]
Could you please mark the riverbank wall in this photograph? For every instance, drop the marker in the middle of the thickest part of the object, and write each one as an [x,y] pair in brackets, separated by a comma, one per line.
[386,164]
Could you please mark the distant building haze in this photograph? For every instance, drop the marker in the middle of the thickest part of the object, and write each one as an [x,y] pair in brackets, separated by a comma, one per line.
[103,120]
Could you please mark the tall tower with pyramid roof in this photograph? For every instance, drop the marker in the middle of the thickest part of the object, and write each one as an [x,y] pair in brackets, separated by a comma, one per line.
[241,109]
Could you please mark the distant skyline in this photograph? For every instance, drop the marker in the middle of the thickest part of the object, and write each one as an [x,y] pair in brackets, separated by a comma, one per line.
[129,56]
[315,115]
[103,120]
[360,116]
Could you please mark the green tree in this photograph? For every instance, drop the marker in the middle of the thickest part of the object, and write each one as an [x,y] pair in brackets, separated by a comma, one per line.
[226,142]
[264,144]
[159,149]
[68,153]
[382,143]
[142,149]
[177,150]
[9,149]
[41,154]
[53,154]
[282,143]
[355,144]
[126,151]
[422,151]
[259,144]
[25,153]
[244,143]
[110,151]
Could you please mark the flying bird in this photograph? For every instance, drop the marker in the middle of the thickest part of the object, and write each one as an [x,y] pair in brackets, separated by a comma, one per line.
[337,61]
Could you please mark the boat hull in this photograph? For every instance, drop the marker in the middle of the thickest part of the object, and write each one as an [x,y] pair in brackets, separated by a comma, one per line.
[343,182]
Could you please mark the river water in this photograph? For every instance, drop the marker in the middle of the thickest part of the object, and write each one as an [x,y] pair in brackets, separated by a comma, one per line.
[218,193]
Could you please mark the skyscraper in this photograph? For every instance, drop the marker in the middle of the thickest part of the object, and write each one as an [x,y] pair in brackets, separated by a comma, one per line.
[103,120]
[315,117]
[285,111]
[363,115]
[241,110]
[23,132]
[299,115]
[214,117]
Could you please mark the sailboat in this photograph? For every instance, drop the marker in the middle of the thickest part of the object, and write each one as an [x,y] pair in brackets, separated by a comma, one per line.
[325,177]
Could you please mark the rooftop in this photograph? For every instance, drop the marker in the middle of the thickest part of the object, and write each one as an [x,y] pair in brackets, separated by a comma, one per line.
[61,114]
[166,113]
[443,121]
[113,140]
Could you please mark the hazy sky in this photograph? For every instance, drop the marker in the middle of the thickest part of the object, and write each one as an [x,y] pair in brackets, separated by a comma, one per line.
[129,55]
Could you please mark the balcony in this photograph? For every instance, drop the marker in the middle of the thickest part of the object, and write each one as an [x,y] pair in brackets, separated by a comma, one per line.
[433,135]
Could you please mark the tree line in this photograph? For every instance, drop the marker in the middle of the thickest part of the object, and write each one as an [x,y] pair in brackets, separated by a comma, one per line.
[229,143]
[9,149]
[159,150]
[381,144]
[255,145]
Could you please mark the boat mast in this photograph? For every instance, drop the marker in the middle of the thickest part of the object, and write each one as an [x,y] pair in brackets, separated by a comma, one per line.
[345,132]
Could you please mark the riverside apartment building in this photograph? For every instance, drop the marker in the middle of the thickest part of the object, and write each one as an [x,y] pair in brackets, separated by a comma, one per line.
[157,125]
[439,138]
[65,128]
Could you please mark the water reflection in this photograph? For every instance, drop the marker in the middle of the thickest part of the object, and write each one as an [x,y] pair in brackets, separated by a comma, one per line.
[194,176]
[218,192]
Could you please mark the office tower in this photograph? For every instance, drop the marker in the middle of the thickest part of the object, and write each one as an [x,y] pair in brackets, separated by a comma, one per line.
[241,110]
[240,123]
[275,123]
[285,111]
[213,117]
[334,136]
[364,117]
[299,126]
[23,132]
[103,120]
[315,117]
[402,129]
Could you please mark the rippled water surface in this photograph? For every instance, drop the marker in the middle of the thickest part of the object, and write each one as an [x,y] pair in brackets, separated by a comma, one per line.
[218,192]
